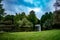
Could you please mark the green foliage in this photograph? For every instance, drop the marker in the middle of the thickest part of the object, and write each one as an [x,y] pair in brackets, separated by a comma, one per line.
[19,16]
[24,23]
[0,1]
[1,11]
[56,17]
[21,20]
[9,17]
[1,8]
[23,15]
[47,20]
[1,18]
[48,24]
[32,17]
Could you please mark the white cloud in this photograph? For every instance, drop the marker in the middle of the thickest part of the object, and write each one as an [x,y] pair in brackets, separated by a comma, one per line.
[10,12]
[30,1]
[35,2]
[50,6]
[11,9]
[35,9]
[38,11]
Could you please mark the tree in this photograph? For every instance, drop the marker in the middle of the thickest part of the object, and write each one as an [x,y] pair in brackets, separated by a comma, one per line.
[1,10]
[18,17]
[23,15]
[47,20]
[9,19]
[32,17]
[48,24]
[56,20]
[24,23]
[21,20]
[43,19]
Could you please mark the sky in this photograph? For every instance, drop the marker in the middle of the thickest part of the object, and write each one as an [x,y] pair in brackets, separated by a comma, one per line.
[18,6]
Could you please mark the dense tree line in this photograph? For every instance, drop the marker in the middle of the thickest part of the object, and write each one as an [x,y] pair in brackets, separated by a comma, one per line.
[56,19]
[21,20]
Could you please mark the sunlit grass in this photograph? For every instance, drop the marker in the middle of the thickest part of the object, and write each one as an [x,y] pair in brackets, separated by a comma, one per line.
[44,35]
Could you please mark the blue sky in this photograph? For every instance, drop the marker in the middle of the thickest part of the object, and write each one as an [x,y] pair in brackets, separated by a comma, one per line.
[18,6]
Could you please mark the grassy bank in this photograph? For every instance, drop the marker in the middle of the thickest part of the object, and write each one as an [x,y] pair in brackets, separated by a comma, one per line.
[44,35]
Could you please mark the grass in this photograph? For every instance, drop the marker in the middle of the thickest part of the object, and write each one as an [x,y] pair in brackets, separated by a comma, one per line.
[44,35]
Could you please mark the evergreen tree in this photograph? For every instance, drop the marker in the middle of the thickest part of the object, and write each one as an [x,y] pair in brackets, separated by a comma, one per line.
[23,15]
[1,10]
[47,20]
[32,17]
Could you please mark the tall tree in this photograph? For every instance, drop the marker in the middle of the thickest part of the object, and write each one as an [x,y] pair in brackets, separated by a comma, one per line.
[9,19]
[44,18]
[1,10]
[23,15]
[32,17]
[19,17]
[47,19]
[24,23]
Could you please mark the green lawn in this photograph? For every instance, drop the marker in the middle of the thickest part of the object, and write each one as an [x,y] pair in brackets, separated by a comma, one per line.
[44,35]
